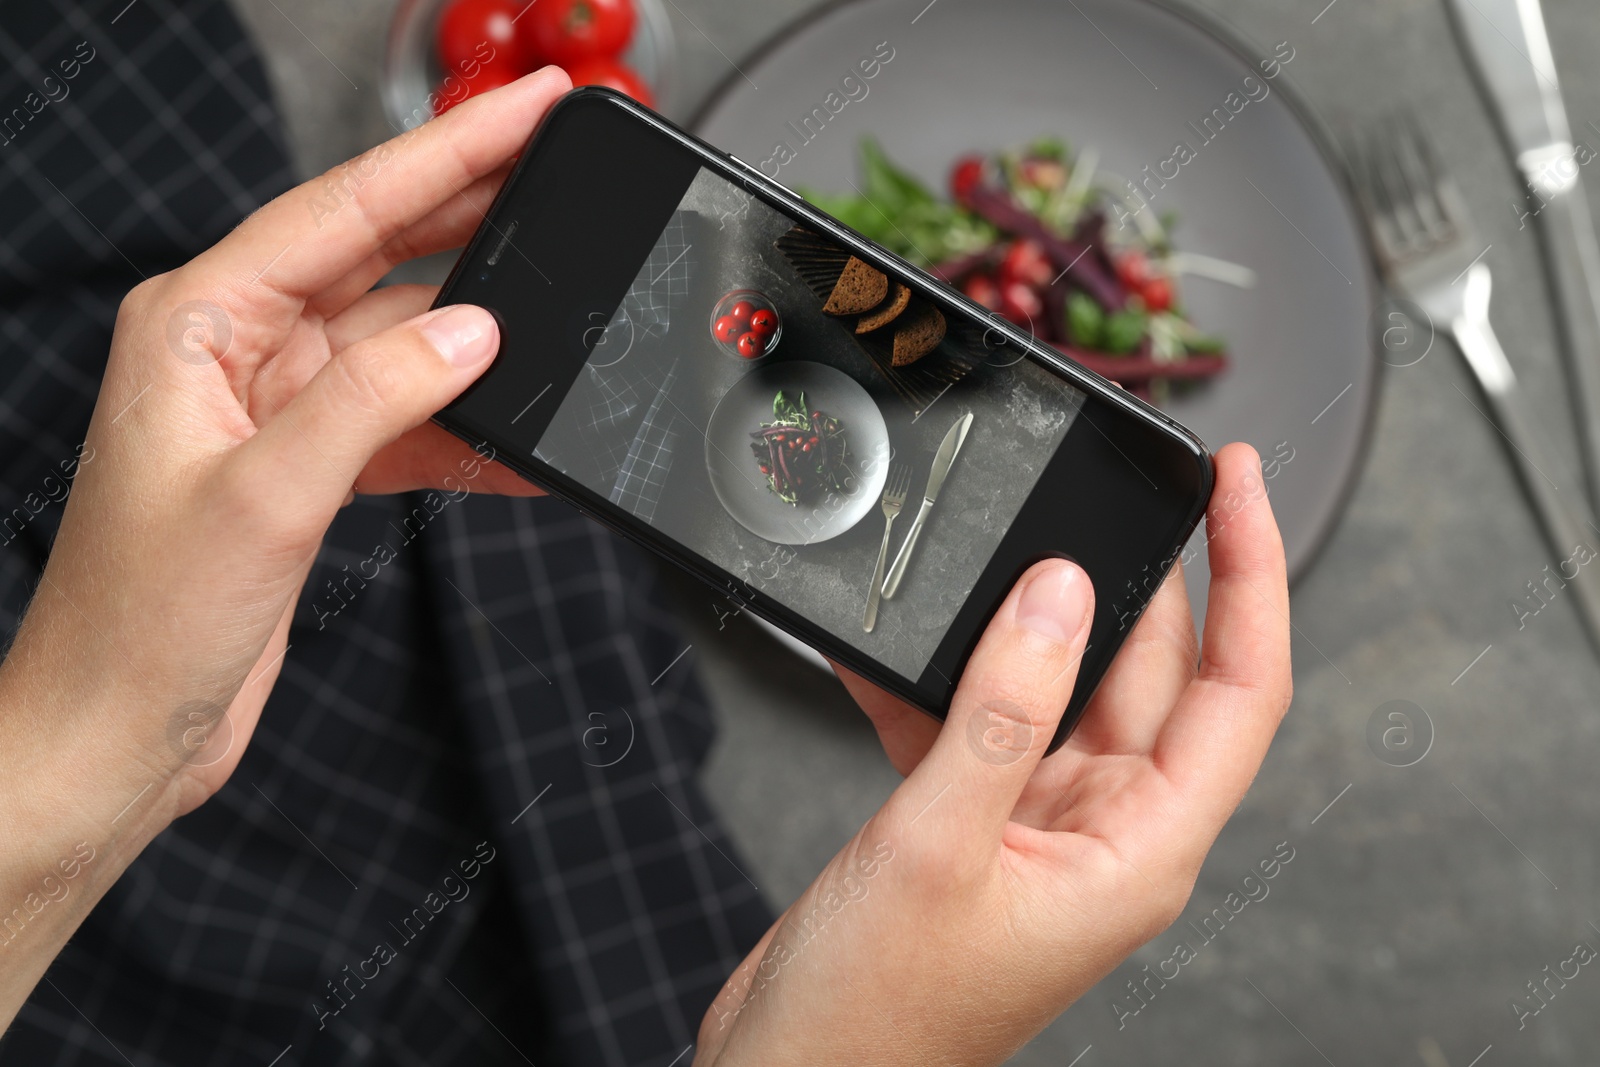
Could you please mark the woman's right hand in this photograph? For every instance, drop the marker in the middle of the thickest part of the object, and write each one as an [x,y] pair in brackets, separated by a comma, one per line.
[248,396]
[996,885]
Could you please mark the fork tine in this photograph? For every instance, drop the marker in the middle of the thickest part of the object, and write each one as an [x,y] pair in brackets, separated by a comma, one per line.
[1418,154]
[1399,184]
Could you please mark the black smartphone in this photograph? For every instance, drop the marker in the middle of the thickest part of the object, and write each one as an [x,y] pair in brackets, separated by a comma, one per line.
[695,357]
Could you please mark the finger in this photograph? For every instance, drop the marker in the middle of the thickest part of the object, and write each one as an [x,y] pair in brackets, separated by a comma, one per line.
[1154,666]
[905,732]
[1218,734]
[448,227]
[376,311]
[286,373]
[430,457]
[313,235]
[312,451]
[1005,710]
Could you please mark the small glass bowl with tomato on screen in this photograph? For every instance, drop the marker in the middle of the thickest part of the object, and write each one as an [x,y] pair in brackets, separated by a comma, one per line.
[746,325]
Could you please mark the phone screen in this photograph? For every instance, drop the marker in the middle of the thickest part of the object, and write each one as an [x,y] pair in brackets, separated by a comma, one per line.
[698,360]
[759,390]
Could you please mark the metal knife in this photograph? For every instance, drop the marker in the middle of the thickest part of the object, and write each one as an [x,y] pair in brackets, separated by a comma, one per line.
[942,462]
[1510,48]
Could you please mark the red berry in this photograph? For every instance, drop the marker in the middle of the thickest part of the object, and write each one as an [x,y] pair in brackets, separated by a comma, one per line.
[1157,293]
[965,176]
[752,345]
[1020,304]
[727,329]
[1025,261]
[1133,269]
[764,321]
[742,310]
[982,289]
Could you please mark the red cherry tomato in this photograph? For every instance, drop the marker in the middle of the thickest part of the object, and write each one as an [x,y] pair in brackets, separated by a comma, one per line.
[479,33]
[457,90]
[764,321]
[1026,262]
[1157,293]
[571,31]
[727,329]
[612,75]
[742,310]
[1020,304]
[965,176]
[1133,269]
[982,289]
[752,345]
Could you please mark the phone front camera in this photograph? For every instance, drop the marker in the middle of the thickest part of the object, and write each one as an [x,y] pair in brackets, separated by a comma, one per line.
[484,276]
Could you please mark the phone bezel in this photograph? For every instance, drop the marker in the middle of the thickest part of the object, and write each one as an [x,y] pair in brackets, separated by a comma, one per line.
[745,596]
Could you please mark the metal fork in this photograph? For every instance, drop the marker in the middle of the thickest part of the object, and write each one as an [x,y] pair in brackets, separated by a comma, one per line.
[895,488]
[1431,253]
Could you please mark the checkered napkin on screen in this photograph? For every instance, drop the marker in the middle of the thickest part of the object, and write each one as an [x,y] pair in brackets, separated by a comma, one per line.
[632,428]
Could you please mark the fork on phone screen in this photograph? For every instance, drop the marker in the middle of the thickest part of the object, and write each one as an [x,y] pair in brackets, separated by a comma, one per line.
[895,489]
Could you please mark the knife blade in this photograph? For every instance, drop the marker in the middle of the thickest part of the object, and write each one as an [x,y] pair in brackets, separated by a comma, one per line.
[1509,47]
[943,460]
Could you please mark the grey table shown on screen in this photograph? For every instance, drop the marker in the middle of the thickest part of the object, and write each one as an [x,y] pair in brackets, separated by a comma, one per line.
[1417,906]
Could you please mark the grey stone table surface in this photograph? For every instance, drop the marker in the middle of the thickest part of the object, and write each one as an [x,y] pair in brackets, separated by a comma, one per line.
[1419,901]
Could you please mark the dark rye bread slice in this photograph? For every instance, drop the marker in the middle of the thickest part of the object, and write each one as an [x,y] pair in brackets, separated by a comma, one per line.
[886,312]
[818,261]
[917,333]
[861,287]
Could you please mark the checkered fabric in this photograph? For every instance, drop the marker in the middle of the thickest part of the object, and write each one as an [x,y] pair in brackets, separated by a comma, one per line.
[618,430]
[466,831]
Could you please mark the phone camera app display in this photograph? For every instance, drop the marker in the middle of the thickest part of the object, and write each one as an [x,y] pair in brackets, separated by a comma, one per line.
[809,423]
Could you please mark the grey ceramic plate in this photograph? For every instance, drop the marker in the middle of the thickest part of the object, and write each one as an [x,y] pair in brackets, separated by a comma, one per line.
[743,489]
[1125,77]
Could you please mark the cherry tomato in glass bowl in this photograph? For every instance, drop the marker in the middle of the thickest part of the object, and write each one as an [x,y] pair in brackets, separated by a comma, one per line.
[456,90]
[571,31]
[612,75]
[751,345]
[480,33]
[764,322]
[745,324]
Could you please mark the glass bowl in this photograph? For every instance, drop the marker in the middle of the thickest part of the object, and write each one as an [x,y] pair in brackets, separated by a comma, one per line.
[759,301]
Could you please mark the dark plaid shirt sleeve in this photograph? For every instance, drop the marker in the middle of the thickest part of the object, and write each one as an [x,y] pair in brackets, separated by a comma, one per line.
[467,830]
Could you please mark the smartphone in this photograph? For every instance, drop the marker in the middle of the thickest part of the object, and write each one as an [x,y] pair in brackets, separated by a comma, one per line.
[693,356]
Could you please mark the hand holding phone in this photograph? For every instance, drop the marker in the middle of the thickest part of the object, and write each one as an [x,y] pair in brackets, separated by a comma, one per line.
[994,888]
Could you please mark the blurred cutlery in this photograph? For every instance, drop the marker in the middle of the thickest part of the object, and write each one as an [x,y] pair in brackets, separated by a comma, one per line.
[1430,252]
[1509,47]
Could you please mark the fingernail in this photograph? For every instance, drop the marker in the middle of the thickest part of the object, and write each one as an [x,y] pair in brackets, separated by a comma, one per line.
[464,335]
[1055,603]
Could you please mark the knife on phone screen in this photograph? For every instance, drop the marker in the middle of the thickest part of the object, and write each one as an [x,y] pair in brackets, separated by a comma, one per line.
[942,463]
[1508,45]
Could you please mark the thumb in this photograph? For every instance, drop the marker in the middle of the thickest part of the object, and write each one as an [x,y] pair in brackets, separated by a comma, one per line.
[365,397]
[1011,697]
